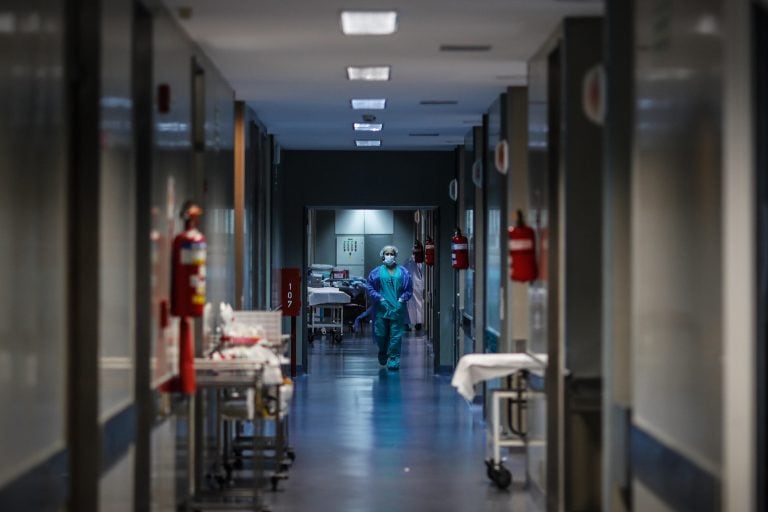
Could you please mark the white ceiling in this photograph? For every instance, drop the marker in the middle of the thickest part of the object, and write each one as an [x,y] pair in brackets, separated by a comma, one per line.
[287,60]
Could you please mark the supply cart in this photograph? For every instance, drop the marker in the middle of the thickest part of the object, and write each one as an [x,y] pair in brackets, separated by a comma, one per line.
[271,405]
[214,380]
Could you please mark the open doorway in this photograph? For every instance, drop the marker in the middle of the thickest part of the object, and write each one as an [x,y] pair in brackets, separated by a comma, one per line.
[342,247]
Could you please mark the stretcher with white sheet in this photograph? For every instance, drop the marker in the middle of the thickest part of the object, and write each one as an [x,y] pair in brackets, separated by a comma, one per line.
[326,311]
[475,368]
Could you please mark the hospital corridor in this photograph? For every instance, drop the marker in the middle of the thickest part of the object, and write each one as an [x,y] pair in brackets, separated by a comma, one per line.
[384,255]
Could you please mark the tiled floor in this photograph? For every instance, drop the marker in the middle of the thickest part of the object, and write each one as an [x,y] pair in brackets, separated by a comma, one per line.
[370,440]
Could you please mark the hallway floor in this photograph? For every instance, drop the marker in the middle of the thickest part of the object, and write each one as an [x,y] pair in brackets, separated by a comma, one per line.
[371,440]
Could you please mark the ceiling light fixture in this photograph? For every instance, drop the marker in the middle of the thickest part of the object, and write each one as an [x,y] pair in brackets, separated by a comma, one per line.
[368,143]
[368,73]
[368,23]
[367,127]
[369,104]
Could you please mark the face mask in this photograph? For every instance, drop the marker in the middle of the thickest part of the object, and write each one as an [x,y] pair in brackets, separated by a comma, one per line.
[389,260]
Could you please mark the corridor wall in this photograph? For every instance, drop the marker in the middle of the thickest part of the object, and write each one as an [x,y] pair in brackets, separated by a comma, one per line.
[71,314]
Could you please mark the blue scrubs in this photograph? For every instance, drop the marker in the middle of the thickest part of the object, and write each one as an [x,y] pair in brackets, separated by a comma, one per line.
[389,292]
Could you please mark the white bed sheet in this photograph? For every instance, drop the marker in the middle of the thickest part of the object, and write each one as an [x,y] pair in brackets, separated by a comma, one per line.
[474,368]
[327,295]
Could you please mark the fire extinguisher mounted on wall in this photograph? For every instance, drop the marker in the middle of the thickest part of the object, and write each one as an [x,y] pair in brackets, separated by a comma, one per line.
[522,251]
[459,251]
[418,251]
[188,265]
[429,252]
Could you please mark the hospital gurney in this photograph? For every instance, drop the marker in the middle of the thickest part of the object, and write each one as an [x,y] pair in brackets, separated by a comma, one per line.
[475,368]
[326,311]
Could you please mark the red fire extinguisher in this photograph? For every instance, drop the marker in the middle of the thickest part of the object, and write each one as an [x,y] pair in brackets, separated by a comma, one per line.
[522,251]
[418,251]
[459,251]
[429,252]
[188,291]
[188,267]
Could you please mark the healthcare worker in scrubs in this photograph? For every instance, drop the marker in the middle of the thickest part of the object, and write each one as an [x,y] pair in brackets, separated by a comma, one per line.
[389,289]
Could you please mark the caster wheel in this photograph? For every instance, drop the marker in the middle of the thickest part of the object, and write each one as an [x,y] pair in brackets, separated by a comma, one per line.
[489,471]
[502,478]
[337,337]
[292,455]
[284,468]
[275,480]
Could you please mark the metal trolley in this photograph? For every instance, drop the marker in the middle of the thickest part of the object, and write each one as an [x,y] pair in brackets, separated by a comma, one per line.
[326,312]
[238,425]
[208,454]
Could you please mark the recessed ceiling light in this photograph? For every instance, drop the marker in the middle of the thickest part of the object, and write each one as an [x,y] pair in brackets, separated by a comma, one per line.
[368,127]
[369,104]
[438,102]
[465,47]
[368,73]
[367,143]
[365,23]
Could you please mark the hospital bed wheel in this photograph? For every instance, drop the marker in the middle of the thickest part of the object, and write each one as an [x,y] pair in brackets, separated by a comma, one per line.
[275,481]
[489,469]
[502,477]
[337,337]
[292,455]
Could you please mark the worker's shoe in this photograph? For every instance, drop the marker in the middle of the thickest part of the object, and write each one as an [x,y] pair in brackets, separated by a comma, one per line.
[382,358]
[393,364]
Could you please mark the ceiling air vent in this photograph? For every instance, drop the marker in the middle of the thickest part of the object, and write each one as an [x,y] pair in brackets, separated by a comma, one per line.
[465,47]
[438,102]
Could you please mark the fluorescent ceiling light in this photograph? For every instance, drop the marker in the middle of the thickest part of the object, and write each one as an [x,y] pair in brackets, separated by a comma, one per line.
[367,143]
[368,127]
[369,104]
[368,72]
[365,23]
